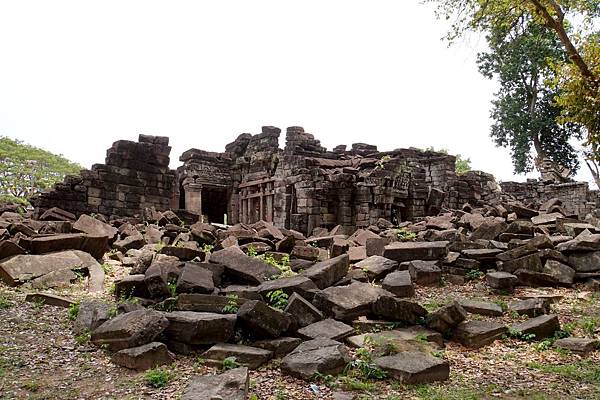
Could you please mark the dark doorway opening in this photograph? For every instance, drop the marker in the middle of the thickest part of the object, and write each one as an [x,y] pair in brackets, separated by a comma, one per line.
[214,204]
[181,197]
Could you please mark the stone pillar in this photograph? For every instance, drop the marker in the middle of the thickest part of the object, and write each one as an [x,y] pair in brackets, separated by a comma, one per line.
[193,197]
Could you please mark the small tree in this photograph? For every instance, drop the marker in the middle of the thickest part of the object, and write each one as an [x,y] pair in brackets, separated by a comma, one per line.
[27,170]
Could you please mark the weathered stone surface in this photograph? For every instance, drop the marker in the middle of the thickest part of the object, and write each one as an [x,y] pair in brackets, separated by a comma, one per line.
[200,327]
[95,227]
[535,279]
[563,274]
[135,241]
[211,303]
[481,307]
[144,357]
[586,243]
[399,283]
[261,320]
[303,312]
[394,309]
[321,355]
[501,280]
[348,302]
[425,273]
[195,279]
[230,385]
[251,357]
[326,273]
[130,330]
[239,265]
[414,368]
[280,346]
[92,314]
[9,249]
[328,328]
[489,230]
[582,346]
[542,327]
[296,284]
[585,261]
[49,299]
[445,319]
[376,266]
[530,307]
[408,251]
[402,339]
[532,262]
[132,286]
[22,268]
[476,334]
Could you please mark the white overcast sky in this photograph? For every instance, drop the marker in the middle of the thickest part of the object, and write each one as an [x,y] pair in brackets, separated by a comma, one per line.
[77,75]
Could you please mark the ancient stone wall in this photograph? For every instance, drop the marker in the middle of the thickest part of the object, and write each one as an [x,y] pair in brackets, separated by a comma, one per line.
[577,198]
[136,175]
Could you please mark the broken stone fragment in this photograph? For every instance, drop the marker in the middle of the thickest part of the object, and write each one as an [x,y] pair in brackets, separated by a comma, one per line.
[230,385]
[326,273]
[445,319]
[321,355]
[540,327]
[476,334]
[251,357]
[144,357]
[414,368]
[328,328]
[198,328]
[130,330]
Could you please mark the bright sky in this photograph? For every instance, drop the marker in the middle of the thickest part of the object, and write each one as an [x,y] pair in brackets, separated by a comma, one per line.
[77,75]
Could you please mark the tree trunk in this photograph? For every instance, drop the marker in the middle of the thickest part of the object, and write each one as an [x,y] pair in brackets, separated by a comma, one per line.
[593,167]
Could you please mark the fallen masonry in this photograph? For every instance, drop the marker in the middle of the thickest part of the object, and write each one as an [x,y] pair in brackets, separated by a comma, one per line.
[309,268]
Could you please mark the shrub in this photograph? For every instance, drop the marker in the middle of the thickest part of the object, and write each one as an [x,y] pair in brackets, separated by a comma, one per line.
[158,378]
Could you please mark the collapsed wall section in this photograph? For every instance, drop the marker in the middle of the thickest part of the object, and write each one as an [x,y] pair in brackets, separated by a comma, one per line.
[135,176]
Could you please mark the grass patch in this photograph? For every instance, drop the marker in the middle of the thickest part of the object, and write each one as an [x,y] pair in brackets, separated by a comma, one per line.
[5,303]
[73,311]
[586,371]
[158,378]
[83,338]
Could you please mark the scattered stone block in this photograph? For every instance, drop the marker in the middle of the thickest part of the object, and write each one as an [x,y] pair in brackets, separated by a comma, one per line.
[130,330]
[324,356]
[280,346]
[348,302]
[328,328]
[49,299]
[476,334]
[481,307]
[399,283]
[325,273]
[144,357]
[413,368]
[541,327]
[501,280]
[239,265]
[261,320]
[425,273]
[408,251]
[303,312]
[198,328]
[251,357]
[582,346]
[530,307]
[445,319]
[394,309]
[230,385]
[376,266]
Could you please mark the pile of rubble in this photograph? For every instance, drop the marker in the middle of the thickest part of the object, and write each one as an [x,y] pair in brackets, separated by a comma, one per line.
[251,293]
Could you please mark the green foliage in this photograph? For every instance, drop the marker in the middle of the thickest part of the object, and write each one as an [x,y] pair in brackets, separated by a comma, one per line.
[520,335]
[207,248]
[83,338]
[572,23]
[158,377]
[283,265]
[363,364]
[107,268]
[230,363]
[525,112]
[251,252]
[474,275]
[4,303]
[380,164]
[232,306]
[73,311]
[502,304]
[277,299]
[38,303]
[10,199]
[589,325]
[462,165]
[27,170]
[172,288]
[404,235]
[355,384]
[584,371]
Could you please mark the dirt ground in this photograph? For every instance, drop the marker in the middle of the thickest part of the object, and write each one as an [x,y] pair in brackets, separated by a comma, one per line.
[40,358]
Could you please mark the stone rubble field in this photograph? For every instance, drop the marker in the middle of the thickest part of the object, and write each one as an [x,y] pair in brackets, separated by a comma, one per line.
[492,302]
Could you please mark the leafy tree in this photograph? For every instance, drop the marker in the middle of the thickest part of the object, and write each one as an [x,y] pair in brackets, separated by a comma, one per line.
[524,111]
[578,77]
[26,169]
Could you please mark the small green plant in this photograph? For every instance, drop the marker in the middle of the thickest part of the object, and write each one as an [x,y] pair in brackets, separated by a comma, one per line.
[543,345]
[83,338]
[283,265]
[521,335]
[112,312]
[159,246]
[364,365]
[4,303]
[569,328]
[502,304]
[326,379]
[253,396]
[380,164]
[31,386]
[277,299]
[421,337]
[112,289]
[232,306]
[107,268]
[589,325]
[73,311]
[207,248]
[38,303]
[474,275]
[251,252]
[172,288]
[230,363]
[404,235]
[158,378]
[199,363]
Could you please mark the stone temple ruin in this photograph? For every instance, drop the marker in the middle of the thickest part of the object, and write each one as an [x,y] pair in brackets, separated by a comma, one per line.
[300,187]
